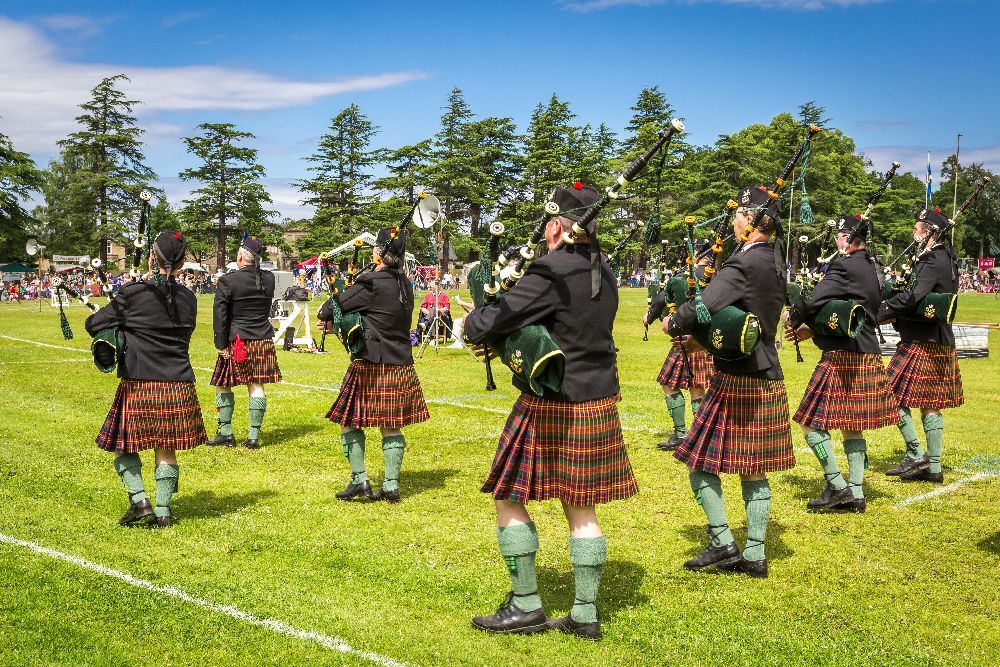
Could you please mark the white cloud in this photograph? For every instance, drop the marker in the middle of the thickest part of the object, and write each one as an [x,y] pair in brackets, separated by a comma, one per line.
[286,197]
[41,89]
[182,17]
[914,158]
[584,6]
[84,27]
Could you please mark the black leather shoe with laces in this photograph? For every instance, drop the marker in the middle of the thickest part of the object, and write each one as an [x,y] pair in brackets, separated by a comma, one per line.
[354,490]
[223,441]
[136,512]
[831,498]
[510,620]
[718,556]
[909,464]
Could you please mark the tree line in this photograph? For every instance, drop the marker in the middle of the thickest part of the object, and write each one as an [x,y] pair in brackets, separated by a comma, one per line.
[483,168]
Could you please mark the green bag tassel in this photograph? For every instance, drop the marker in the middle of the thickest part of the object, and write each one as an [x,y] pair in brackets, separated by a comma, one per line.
[64,325]
[653,228]
[701,310]
[806,216]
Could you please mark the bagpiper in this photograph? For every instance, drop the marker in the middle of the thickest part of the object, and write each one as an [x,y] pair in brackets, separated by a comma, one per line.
[244,338]
[849,389]
[380,387]
[924,371]
[564,444]
[156,405]
[742,426]
[692,371]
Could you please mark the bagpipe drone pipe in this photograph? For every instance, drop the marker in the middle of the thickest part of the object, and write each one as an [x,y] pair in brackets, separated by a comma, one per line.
[935,306]
[530,352]
[843,317]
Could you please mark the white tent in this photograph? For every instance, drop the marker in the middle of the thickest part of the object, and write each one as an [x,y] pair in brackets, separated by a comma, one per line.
[368,240]
[194,266]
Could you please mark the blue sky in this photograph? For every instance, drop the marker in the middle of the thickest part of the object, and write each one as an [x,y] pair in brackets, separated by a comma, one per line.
[900,76]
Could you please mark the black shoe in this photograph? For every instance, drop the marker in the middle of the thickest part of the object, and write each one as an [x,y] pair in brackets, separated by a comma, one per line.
[756,569]
[512,621]
[222,441]
[355,490]
[922,475]
[857,505]
[136,512]
[588,631]
[718,556]
[830,498]
[909,464]
[387,496]
[252,444]
[671,444]
[160,521]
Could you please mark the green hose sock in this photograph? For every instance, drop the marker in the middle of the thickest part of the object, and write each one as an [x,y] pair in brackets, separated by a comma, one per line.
[129,468]
[708,492]
[224,403]
[354,450]
[392,452]
[857,461]
[757,498]
[518,545]
[675,406]
[934,430]
[909,432]
[167,478]
[258,406]
[822,446]
[587,555]
[695,404]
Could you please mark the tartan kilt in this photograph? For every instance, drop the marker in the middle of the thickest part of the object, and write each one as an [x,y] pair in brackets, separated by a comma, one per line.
[926,375]
[149,414]
[674,374]
[260,367]
[554,449]
[380,395]
[741,427]
[848,391]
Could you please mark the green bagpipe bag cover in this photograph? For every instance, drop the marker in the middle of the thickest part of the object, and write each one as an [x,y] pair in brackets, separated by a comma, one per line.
[794,292]
[652,289]
[839,317]
[731,334]
[105,347]
[348,328]
[478,277]
[532,355]
[936,307]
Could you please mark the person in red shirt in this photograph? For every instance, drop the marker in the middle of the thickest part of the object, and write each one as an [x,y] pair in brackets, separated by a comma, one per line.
[428,308]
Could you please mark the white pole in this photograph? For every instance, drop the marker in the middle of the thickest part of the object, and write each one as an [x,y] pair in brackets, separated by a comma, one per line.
[958,170]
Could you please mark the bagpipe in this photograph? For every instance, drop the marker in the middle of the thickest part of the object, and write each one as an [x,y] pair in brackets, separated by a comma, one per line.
[530,352]
[935,306]
[846,317]
[348,327]
[656,298]
[108,344]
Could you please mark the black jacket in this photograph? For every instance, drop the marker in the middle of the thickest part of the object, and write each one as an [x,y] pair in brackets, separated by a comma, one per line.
[937,273]
[853,276]
[156,348]
[241,308]
[749,281]
[555,292]
[384,299]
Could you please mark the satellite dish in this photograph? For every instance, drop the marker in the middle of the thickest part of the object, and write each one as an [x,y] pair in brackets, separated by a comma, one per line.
[427,212]
[32,247]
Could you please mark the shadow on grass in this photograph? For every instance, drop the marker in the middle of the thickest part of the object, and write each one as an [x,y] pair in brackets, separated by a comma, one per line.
[206,505]
[286,434]
[415,482]
[808,487]
[620,584]
[990,544]
[775,546]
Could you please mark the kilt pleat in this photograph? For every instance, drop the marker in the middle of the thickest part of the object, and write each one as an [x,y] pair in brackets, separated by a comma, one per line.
[260,366]
[741,427]
[380,395]
[147,414]
[848,391]
[674,374]
[571,451]
[926,375]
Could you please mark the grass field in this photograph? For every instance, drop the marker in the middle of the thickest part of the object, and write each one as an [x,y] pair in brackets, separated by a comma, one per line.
[262,532]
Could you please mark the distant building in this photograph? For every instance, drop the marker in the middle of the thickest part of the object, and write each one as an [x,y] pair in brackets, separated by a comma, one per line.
[286,261]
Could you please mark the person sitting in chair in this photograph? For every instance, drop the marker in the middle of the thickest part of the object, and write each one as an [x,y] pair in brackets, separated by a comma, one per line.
[431,307]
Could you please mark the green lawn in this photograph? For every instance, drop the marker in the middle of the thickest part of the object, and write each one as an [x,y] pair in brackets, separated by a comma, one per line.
[261,531]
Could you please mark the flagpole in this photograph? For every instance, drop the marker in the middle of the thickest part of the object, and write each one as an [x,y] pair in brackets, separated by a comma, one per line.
[958,170]
[927,183]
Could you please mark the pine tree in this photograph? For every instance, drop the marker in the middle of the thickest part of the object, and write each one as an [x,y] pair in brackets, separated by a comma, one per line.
[231,192]
[112,165]
[550,151]
[19,178]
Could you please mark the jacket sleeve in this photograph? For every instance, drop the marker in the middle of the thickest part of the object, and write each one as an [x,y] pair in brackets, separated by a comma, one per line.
[110,316]
[357,298]
[533,299]
[907,300]
[656,307]
[220,314]
[726,288]
[834,285]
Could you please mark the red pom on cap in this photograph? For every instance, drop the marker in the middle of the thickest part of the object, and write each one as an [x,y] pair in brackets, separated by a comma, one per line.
[857,215]
[578,185]
[177,235]
[762,187]
[937,210]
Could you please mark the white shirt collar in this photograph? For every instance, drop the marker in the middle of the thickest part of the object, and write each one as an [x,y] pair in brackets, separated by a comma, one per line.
[748,246]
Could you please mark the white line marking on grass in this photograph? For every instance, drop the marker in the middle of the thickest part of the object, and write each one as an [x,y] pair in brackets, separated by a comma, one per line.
[326,641]
[56,347]
[44,361]
[945,489]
